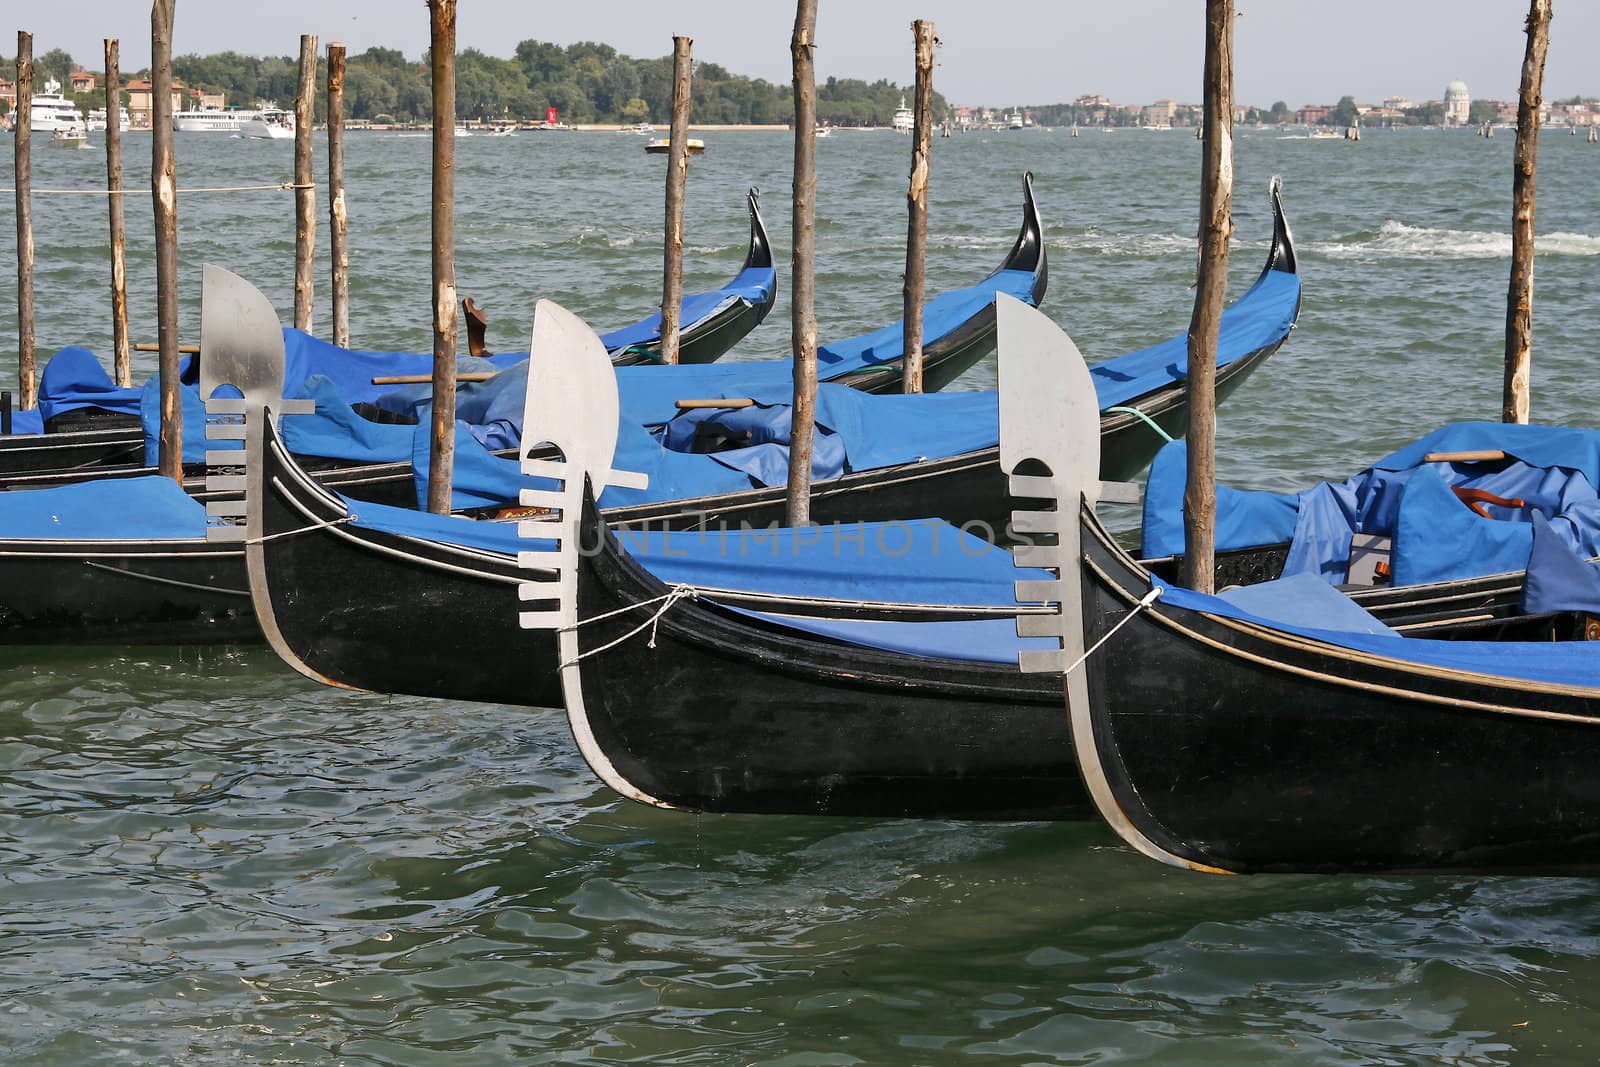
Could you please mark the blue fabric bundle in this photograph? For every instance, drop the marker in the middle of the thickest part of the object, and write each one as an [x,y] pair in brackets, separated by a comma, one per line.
[1436,537]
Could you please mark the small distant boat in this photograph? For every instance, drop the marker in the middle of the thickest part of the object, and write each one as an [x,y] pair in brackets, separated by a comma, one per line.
[463,130]
[1322,135]
[662,145]
[904,120]
[270,123]
[504,129]
[552,120]
[823,131]
[69,137]
[1016,121]
[641,128]
[96,122]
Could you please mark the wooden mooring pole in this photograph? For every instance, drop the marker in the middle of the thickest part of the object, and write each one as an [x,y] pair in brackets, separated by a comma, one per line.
[338,221]
[22,121]
[677,179]
[1514,402]
[1216,226]
[917,206]
[121,353]
[442,446]
[305,193]
[802,264]
[164,184]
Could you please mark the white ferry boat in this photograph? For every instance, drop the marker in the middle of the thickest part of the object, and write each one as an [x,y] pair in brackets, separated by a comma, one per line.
[96,120]
[904,120]
[212,120]
[52,111]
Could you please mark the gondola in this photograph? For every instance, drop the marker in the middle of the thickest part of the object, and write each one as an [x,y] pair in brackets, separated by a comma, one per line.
[1223,740]
[84,424]
[1282,727]
[692,701]
[137,560]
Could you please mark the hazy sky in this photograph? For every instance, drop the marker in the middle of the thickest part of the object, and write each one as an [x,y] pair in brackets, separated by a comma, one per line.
[1021,51]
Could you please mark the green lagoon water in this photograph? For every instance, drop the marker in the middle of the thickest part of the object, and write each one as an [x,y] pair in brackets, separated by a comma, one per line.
[205,858]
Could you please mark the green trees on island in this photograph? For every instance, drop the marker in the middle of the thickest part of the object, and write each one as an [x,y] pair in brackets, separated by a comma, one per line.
[585,82]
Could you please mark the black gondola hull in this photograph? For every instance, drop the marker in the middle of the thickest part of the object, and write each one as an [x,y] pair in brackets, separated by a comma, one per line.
[181,592]
[443,617]
[1239,748]
[727,714]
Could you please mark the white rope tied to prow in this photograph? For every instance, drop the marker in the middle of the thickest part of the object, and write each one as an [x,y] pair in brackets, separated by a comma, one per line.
[665,600]
[1149,598]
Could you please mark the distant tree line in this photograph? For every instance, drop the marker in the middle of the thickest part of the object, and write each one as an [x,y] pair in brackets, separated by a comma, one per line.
[586,82]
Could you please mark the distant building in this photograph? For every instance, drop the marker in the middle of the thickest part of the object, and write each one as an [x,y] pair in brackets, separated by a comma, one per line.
[81,81]
[1398,103]
[218,101]
[1457,104]
[1158,114]
[139,94]
[1313,114]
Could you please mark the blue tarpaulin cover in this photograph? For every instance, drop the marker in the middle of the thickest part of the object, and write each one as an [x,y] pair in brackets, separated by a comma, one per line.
[1304,600]
[1244,519]
[74,378]
[1575,663]
[1558,578]
[968,640]
[915,561]
[108,509]
[1262,316]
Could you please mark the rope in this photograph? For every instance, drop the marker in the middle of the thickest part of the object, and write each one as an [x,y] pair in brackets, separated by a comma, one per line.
[279,187]
[1149,598]
[666,600]
[1146,419]
[313,528]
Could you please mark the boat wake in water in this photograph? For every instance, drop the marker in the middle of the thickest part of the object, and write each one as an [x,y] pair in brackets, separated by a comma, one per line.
[1398,240]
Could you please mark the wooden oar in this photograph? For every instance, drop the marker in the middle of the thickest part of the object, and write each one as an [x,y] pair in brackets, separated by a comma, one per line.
[187,350]
[1482,455]
[715,402]
[424,379]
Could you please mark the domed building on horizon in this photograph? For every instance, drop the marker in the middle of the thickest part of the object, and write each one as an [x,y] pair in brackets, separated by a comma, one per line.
[1457,104]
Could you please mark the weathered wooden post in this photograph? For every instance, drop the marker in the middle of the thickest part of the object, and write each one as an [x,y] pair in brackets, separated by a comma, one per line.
[338,221]
[121,355]
[442,446]
[21,123]
[1519,297]
[677,178]
[1216,226]
[305,193]
[802,298]
[917,204]
[164,184]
